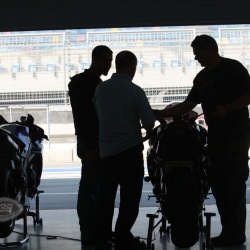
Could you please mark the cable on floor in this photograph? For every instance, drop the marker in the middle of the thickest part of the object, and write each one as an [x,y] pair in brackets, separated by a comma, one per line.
[49,237]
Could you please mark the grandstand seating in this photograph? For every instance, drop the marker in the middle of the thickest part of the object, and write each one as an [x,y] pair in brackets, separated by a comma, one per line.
[43,61]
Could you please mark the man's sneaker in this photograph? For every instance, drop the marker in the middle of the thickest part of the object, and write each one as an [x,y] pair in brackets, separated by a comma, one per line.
[222,241]
[135,244]
[138,244]
[109,245]
[87,241]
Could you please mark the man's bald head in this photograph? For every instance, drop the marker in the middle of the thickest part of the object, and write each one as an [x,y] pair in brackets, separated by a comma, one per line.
[125,59]
[125,63]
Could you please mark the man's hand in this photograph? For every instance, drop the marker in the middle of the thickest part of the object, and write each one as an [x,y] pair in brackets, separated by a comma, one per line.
[159,113]
[192,113]
[149,134]
[92,155]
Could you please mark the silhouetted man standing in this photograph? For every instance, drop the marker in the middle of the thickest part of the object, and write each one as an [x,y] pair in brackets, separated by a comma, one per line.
[223,89]
[81,91]
[122,107]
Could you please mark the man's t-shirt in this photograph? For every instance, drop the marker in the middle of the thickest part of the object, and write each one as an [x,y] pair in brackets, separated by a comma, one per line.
[81,91]
[219,86]
[121,107]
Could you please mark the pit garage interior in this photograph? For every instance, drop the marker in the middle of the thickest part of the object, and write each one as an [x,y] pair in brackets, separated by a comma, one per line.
[62,226]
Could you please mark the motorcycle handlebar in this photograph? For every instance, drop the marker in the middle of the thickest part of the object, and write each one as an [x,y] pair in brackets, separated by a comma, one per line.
[186,117]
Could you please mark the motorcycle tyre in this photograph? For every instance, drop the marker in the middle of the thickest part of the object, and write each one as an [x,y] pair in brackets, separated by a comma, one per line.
[37,162]
[183,208]
[6,228]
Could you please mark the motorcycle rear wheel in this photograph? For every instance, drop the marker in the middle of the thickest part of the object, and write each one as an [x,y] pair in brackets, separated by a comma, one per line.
[183,208]
[6,188]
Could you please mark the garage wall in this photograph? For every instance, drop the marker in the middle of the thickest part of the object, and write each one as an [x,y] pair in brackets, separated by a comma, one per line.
[19,15]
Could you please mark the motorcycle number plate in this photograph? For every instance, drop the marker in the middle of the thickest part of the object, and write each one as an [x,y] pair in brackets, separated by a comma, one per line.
[170,165]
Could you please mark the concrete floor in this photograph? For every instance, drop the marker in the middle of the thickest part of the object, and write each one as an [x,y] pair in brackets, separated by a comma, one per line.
[64,225]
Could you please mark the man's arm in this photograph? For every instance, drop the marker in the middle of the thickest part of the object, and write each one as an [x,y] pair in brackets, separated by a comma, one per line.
[177,110]
[149,126]
[242,102]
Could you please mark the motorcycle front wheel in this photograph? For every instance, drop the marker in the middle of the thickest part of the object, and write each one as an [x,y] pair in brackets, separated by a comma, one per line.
[6,191]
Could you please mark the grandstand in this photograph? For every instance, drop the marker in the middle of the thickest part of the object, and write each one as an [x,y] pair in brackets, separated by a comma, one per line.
[35,67]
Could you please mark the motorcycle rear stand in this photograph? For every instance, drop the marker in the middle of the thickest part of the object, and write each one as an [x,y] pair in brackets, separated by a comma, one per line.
[36,215]
[149,246]
[36,220]
[208,243]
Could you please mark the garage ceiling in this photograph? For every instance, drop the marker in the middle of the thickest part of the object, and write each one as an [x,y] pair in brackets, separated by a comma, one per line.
[18,15]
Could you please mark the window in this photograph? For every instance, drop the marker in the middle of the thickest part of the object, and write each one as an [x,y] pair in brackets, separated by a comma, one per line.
[175,63]
[33,67]
[85,65]
[50,67]
[15,68]
[157,63]
[140,64]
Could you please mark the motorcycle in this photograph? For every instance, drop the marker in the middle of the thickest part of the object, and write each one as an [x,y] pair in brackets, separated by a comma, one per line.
[21,169]
[178,169]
